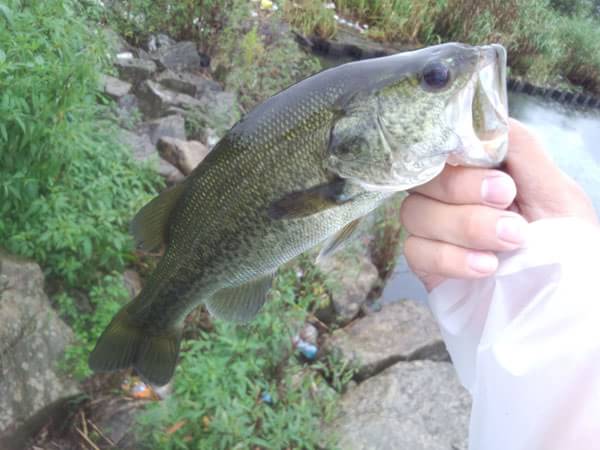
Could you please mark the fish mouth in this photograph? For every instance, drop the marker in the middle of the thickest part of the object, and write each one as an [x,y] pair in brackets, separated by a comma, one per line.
[480,113]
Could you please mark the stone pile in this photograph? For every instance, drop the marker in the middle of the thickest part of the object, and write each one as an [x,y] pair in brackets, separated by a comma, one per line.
[163,85]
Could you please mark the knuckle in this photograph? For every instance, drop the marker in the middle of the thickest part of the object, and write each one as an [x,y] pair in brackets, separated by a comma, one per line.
[450,187]
[406,210]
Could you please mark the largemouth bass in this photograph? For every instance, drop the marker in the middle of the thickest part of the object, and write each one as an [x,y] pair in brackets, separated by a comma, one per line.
[300,169]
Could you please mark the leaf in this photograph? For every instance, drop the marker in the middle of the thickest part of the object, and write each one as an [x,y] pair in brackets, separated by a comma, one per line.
[176,426]
[6,13]
[2,56]
[87,248]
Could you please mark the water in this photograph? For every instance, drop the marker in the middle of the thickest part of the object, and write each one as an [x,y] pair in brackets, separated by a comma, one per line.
[572,137]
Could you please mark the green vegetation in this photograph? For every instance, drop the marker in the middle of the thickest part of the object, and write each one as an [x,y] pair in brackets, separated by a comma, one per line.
[67,187]
[106,297]
[219,385]
[549,41]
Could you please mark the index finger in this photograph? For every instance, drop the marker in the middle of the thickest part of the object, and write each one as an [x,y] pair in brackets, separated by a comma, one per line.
[467,185]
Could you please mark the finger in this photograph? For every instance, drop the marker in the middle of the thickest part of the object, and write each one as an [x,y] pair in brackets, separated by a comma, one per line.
[462,185]
[434,261]
[471,226]
[527,160]
[544,189]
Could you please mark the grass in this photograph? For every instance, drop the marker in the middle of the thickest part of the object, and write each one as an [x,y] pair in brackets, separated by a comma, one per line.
[68,189]
[548,41]
[67,186]
[219,387]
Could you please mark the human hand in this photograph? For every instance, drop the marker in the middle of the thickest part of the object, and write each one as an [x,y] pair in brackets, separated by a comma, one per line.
[457,221]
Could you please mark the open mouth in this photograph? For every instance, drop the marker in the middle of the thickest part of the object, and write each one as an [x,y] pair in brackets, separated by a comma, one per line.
[481,112]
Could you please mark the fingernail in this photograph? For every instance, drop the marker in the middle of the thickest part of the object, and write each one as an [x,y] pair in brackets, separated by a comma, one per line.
[498,190]
[511,229]
[482,262]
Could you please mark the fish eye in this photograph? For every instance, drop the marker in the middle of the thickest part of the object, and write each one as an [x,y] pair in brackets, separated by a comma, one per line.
[435,76]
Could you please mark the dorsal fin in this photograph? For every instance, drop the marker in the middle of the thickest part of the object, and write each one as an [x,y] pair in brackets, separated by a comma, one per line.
[148,227]
[240,303]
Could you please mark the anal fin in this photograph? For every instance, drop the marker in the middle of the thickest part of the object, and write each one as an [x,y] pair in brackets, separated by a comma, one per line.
[240,303]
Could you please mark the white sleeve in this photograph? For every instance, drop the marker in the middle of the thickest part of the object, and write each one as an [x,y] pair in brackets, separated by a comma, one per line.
[526,341]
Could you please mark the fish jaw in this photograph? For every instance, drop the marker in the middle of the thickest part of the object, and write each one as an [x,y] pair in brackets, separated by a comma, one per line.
[481,113]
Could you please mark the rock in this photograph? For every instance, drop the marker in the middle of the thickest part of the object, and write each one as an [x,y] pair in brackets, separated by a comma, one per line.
[188,83]
[32,341]
[141,145]
[171,126]
[155,100]
[145,151]
[411,405]
[159,41]
[115,41]
[180,56]
[115,88]
[223,106]
[185,155]
[169,172]
[398,332]
[127,111]
[133,282]
[116,418]
[352,277]
[135,70]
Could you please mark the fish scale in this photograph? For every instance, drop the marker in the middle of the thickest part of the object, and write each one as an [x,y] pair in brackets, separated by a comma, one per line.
[301,168]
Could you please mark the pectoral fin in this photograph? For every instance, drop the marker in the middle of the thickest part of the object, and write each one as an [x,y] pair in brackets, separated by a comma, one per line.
[299,204]
[240,303]
[149,225]
[339,239]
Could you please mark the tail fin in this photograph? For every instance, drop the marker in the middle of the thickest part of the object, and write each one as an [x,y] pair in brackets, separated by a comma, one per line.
[126,343]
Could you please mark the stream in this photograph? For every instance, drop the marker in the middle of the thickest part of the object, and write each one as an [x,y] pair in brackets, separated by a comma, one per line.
[571,136]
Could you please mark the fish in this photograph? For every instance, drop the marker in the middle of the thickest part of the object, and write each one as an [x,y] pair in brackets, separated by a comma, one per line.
[302,168]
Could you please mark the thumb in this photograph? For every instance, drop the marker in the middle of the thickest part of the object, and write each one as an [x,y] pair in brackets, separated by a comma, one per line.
[543,190]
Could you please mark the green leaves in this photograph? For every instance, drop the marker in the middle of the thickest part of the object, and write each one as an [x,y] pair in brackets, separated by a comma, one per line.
[6,14]
[67,187]
[217,403]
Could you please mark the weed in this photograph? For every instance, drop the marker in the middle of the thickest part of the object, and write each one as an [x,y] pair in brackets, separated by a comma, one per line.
[263,62]
[105,299]
[67,187]
[310,17]
[219,387]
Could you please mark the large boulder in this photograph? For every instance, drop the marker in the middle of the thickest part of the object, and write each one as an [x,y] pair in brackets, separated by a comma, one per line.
[169,126]
[180,56]
[155,100]
[398,332]
[32,341]
[140,144]
[352,276]
[144,150]
[134,70]
[411,405]
[188,83]
[115,88]
[185,155]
